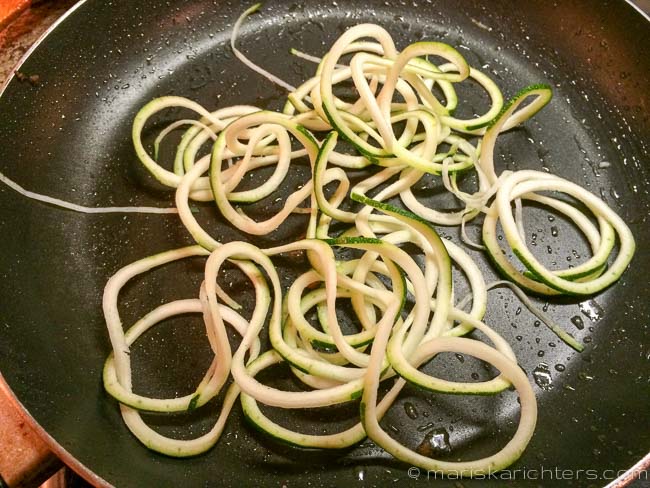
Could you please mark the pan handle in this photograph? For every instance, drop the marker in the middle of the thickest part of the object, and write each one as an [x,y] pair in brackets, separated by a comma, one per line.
[25,460]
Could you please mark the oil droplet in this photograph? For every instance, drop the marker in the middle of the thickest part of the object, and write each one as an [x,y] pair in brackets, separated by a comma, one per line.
[475,376]
[460,357]
[435,442]
[410,410]
[592,310]
[542,376]
[577,321]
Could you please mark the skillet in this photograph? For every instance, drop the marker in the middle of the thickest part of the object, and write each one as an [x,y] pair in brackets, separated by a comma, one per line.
[69,137]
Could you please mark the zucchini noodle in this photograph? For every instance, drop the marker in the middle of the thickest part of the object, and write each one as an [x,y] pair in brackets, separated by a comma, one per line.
[80,208]
[360,211]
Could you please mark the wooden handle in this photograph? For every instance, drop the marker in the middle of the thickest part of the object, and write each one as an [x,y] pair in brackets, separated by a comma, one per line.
[25,460]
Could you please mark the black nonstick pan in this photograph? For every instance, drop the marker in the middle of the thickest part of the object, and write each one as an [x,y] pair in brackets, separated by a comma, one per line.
[69,137]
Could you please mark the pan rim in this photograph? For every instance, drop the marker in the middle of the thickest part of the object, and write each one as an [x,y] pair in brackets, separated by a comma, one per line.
[66,457]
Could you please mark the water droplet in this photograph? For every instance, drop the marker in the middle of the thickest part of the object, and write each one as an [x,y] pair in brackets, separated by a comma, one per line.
[554,231]
[460,357]
[410,410]
[540,354]
[542,376]
[435,442]
[560,367]
[361,474]
[475,376]
[577,321]
[592,310]
[584,376]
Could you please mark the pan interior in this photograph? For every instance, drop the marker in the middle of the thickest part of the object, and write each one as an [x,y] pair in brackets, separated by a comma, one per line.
[70,138]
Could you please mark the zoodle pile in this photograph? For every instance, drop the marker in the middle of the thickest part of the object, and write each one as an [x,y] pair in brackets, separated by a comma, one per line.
[395,127]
